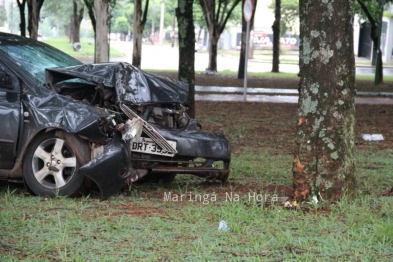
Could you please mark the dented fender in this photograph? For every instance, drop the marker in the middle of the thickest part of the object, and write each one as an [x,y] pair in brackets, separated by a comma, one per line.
[106,169]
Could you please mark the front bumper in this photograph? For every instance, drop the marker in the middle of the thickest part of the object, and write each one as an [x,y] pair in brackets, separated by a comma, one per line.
[201,154]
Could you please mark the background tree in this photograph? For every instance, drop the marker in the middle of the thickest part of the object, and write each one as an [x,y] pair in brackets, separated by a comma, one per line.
[324,161]
[101,10]
[286,14]
[121,14]
[77,16]
[276,37]
[90,10]
[289,15]
[129,14]
[216,14]
[13,18]
[242,59]
[198,19]
[22,25]
[33,18]
[3,15]
[185,20]
[372,10]
[153,17]
[121,26]
[59,13]
[139,24]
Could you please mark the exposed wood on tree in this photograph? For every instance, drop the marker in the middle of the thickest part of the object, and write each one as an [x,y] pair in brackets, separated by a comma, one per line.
[139,25]
[324,161]
[184,14]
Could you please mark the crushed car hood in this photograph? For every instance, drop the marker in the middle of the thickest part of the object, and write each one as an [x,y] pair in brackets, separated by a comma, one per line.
[132,85]
[53,110]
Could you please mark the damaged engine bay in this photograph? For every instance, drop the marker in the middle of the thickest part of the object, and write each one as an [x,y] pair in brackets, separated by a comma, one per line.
[148,115]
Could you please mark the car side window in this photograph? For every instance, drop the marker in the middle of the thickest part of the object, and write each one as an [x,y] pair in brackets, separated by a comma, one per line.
[8,81]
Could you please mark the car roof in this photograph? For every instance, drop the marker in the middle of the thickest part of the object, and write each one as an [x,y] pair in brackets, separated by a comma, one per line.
[13,37]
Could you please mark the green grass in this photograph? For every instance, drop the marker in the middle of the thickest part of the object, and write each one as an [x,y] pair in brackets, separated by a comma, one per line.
[372,77]
[138,224]
[278,75]
[294,75]
[64,45]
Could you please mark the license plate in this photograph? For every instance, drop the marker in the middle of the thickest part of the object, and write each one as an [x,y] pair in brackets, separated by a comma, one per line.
[148,146]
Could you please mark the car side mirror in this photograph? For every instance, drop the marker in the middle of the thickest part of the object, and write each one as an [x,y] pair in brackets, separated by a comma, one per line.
[5,81]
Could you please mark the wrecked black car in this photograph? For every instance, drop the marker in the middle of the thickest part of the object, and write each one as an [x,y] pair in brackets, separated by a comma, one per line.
[65,124]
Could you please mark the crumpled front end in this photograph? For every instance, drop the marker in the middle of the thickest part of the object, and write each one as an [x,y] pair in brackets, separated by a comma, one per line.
[152,134]
[108,170]
[158,151]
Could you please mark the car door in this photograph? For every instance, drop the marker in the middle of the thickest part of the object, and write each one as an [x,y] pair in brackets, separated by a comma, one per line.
[10,110]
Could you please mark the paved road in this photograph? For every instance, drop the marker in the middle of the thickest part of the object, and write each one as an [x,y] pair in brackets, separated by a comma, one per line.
[272,95]
[282,99]
[166,57]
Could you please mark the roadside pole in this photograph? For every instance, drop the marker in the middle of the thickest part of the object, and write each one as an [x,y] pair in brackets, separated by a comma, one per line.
[247,13]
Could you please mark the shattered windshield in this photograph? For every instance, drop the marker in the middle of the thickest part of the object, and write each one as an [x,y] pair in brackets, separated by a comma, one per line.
[35,57]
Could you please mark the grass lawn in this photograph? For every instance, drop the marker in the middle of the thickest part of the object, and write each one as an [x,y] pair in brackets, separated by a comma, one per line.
[64,45]
[145,223]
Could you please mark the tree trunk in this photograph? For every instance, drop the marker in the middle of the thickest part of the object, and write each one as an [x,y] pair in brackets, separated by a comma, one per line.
[242,59]
[213,47]
[276,37]
[76,22]
[101,8]
[184,13]
[139,24]
[153,15]
[215,23]
[173,31]
[375,35]
[22,25]
[34,8]
[92,16]
[137,39]
[324,161]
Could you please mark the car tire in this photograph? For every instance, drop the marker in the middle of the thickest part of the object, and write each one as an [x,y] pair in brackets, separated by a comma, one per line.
[51,165]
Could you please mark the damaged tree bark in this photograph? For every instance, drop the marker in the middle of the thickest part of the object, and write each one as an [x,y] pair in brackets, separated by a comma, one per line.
[324,161]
